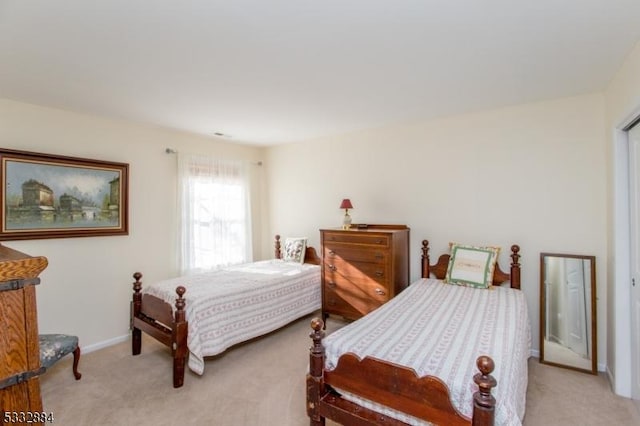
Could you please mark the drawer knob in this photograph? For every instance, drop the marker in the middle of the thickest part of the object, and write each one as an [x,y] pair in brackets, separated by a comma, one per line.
[332,267]
[379,273]
[379,255]
[332,253]
[380,291]
[331,284]
[379,241]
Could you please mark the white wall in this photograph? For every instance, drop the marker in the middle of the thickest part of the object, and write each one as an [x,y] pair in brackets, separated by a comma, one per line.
[87,286]
[622,101]
[531,174]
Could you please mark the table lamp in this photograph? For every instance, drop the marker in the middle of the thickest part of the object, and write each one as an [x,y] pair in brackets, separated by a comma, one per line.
[346,205]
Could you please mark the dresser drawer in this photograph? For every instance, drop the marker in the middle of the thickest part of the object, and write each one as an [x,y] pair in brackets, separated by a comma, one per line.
[356,288]
[334,252]
[357,272]
[347,304]
[357,238]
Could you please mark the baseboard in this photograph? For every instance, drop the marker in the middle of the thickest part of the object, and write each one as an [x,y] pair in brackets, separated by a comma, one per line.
[610,377]
[104,344]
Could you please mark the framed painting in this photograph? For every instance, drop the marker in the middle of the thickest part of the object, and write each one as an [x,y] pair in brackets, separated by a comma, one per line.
[53,196]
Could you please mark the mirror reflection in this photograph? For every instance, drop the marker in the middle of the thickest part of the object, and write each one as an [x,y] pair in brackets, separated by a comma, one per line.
[567,314]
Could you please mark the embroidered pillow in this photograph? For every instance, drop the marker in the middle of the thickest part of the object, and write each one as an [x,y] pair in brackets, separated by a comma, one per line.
[471,266]
[294,249]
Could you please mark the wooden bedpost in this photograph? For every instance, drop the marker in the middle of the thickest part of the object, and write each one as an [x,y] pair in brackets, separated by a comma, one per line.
[136,333]
[425,259]
[315,377]
[179,339]
[484,404]
[515,266]
[277,253]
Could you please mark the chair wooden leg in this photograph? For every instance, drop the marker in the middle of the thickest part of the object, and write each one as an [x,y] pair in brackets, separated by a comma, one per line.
[76,360]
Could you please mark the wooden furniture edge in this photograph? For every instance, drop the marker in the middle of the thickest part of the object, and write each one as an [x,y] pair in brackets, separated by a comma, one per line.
[390,227]
[18,265]
[19,274]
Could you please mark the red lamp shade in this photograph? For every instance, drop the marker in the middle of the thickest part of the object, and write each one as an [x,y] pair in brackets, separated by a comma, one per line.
[346,204]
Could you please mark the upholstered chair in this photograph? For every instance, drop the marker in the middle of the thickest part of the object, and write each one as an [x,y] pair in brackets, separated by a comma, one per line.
[54,347]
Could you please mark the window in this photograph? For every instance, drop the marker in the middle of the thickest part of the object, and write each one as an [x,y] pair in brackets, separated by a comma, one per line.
[215,224]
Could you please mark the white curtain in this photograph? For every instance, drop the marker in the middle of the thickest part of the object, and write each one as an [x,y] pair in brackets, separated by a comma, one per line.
[214,213]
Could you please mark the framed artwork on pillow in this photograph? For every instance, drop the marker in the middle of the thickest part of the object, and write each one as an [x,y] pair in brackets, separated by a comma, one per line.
[54,196]
[471,266]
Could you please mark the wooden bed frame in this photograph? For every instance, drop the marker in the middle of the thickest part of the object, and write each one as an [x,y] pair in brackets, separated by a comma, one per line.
[157,318]
[393,385]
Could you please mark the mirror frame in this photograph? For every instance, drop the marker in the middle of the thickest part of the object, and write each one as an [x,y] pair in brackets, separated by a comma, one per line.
[543,304]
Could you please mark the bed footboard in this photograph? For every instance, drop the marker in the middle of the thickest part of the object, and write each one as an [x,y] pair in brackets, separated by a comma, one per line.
[157,318]
[389,384]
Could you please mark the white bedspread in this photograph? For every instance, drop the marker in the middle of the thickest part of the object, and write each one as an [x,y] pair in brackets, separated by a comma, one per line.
[238,303]
[440,329]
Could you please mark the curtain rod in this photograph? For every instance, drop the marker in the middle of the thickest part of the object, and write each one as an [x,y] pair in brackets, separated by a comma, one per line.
[173,151]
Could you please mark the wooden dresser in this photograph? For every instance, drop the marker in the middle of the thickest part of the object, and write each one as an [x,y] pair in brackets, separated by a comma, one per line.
[362,268]
[19,351]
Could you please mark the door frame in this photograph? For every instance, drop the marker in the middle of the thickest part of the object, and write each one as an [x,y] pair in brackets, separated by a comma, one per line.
[620,258]
[634,174]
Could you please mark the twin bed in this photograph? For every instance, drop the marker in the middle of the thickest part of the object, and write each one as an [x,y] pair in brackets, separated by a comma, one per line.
[411,361]
[216,310]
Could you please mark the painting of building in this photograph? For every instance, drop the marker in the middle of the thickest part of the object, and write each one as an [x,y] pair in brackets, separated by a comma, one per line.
[36,194]
[36,205]
[46,196]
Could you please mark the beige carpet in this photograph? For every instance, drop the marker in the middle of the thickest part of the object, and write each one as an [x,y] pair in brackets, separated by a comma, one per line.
[262,383]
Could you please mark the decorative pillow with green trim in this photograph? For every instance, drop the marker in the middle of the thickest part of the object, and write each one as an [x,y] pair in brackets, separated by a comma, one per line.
[471,266]
[294,249]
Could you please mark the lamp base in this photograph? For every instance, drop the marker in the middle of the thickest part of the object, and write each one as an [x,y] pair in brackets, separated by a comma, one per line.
[346,222]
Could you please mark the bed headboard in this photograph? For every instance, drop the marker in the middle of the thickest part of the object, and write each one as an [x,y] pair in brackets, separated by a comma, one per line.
[439,269]
[310,254]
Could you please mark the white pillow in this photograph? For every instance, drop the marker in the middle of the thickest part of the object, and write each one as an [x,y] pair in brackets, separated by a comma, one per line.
[294,249]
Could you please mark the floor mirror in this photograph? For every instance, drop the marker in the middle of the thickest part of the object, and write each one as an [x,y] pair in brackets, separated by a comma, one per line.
[568,311]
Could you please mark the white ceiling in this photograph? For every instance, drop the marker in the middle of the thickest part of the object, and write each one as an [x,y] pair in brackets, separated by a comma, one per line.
[275,71]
